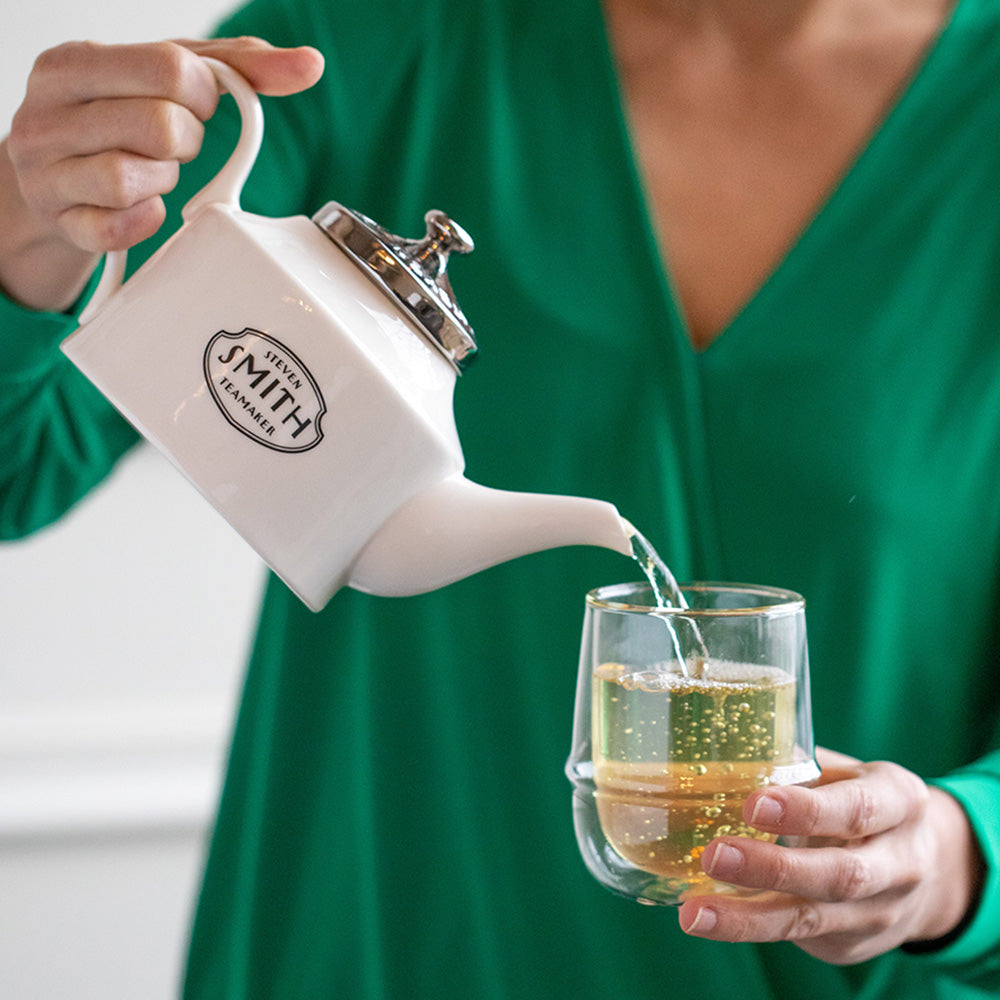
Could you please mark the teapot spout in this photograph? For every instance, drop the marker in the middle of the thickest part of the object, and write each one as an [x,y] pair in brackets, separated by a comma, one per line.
[456,528]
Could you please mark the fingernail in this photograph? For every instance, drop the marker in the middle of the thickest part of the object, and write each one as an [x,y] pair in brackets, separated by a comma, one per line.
[725,861]
[704,920]
[767,811]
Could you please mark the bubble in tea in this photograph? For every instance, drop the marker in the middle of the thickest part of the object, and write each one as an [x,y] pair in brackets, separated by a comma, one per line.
[676,755]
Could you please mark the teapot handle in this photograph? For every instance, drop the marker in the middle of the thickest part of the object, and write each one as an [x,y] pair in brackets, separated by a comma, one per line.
[224,189]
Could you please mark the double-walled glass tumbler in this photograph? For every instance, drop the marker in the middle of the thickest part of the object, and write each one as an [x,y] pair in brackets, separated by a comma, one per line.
[680,714]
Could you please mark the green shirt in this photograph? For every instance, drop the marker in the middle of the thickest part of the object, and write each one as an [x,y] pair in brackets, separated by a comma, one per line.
[395,822]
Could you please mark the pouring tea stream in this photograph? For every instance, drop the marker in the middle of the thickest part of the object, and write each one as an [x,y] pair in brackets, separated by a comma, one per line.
[300,373]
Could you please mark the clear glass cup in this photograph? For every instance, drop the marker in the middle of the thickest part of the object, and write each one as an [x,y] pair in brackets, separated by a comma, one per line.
[680,714]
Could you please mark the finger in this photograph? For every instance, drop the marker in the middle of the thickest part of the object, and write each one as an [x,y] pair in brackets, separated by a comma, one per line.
[269,70]
[829,874]
[102,229]
[877,798]
[831,760]
[160,130]
[778,917]
[79,72]
[114,179]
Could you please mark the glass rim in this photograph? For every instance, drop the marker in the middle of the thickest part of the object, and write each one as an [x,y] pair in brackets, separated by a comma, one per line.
[779,600]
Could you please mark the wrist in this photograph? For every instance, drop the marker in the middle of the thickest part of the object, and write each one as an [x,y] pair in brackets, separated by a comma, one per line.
[957,879]
[39,268]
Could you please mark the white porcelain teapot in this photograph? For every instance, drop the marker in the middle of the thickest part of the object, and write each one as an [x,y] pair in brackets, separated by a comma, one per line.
[300,373]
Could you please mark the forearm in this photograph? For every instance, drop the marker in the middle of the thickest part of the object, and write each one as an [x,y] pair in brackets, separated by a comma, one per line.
[58,436]
[39,268]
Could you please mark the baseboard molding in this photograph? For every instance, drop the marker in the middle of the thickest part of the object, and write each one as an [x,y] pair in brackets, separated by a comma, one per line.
[110,769]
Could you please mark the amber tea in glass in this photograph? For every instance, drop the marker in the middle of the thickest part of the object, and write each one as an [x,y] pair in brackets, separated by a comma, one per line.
[681,712]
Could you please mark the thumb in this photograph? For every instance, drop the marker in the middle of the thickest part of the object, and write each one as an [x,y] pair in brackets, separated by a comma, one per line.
[270,70]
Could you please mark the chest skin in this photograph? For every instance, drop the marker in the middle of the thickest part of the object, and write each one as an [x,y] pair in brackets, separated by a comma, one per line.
[743,121]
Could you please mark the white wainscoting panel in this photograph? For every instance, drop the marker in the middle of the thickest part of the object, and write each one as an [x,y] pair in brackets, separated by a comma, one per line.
[104,817]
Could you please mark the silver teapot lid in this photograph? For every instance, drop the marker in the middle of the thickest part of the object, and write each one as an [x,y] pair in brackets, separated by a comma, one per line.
[410,272]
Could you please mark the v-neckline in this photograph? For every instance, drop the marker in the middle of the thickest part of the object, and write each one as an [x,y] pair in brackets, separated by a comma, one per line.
[798,251]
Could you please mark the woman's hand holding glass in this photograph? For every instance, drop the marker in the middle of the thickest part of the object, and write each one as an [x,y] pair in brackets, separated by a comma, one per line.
[888,859]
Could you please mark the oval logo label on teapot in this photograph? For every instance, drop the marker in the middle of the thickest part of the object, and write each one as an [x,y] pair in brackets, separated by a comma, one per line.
[264,390]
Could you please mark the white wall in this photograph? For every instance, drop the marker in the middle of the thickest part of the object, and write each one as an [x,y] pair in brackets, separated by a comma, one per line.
[123,632]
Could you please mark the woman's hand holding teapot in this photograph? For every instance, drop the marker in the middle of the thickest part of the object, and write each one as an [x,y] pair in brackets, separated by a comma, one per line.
[100,138]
